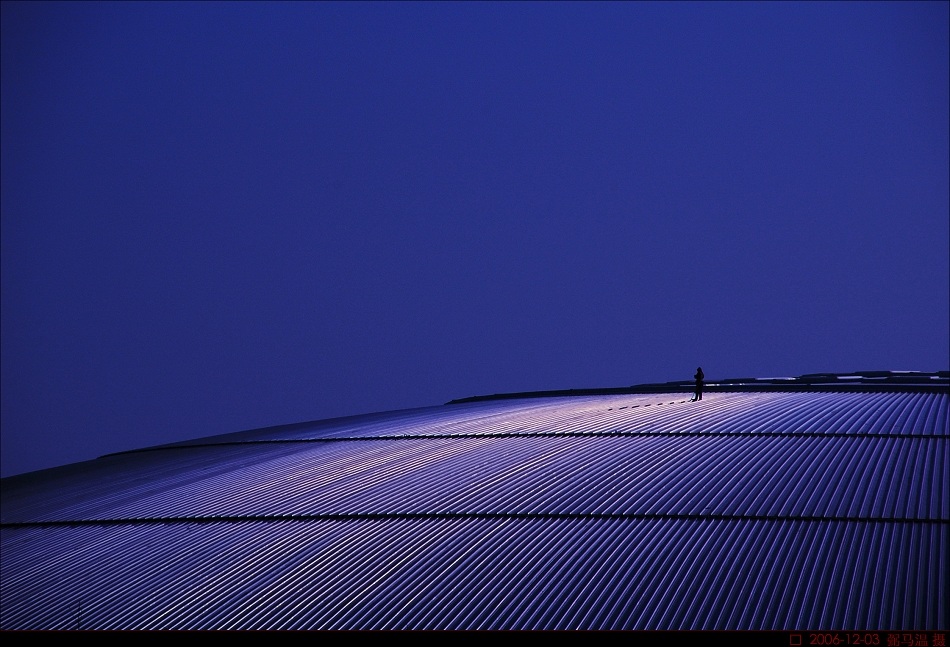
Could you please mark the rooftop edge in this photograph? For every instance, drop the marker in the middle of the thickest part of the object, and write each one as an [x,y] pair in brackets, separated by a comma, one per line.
[854,381]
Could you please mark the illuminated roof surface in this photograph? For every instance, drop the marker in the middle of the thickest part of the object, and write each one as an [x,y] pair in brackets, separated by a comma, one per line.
[817,502]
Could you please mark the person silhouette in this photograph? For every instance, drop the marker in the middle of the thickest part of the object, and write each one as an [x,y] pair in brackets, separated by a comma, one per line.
[699,377]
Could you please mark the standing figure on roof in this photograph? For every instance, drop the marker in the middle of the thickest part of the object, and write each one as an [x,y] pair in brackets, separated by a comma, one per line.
[699,377]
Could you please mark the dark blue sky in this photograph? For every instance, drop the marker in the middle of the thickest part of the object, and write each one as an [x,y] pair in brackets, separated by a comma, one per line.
[221,216]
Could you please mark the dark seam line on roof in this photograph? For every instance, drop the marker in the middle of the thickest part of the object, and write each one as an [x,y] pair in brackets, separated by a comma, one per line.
[377,516]
[553,434]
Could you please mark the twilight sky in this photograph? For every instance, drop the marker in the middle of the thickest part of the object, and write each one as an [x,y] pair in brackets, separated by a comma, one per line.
[218,217]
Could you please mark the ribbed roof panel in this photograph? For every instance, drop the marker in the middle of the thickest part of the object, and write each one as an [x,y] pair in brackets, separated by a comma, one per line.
[502,573]
[866,477]
[749,510]
[884,413]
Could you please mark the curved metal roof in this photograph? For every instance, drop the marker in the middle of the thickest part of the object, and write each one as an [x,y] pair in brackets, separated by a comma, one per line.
[767,505]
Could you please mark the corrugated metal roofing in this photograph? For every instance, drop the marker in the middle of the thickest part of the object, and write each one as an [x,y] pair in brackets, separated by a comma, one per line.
[782,509]
[479,573]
